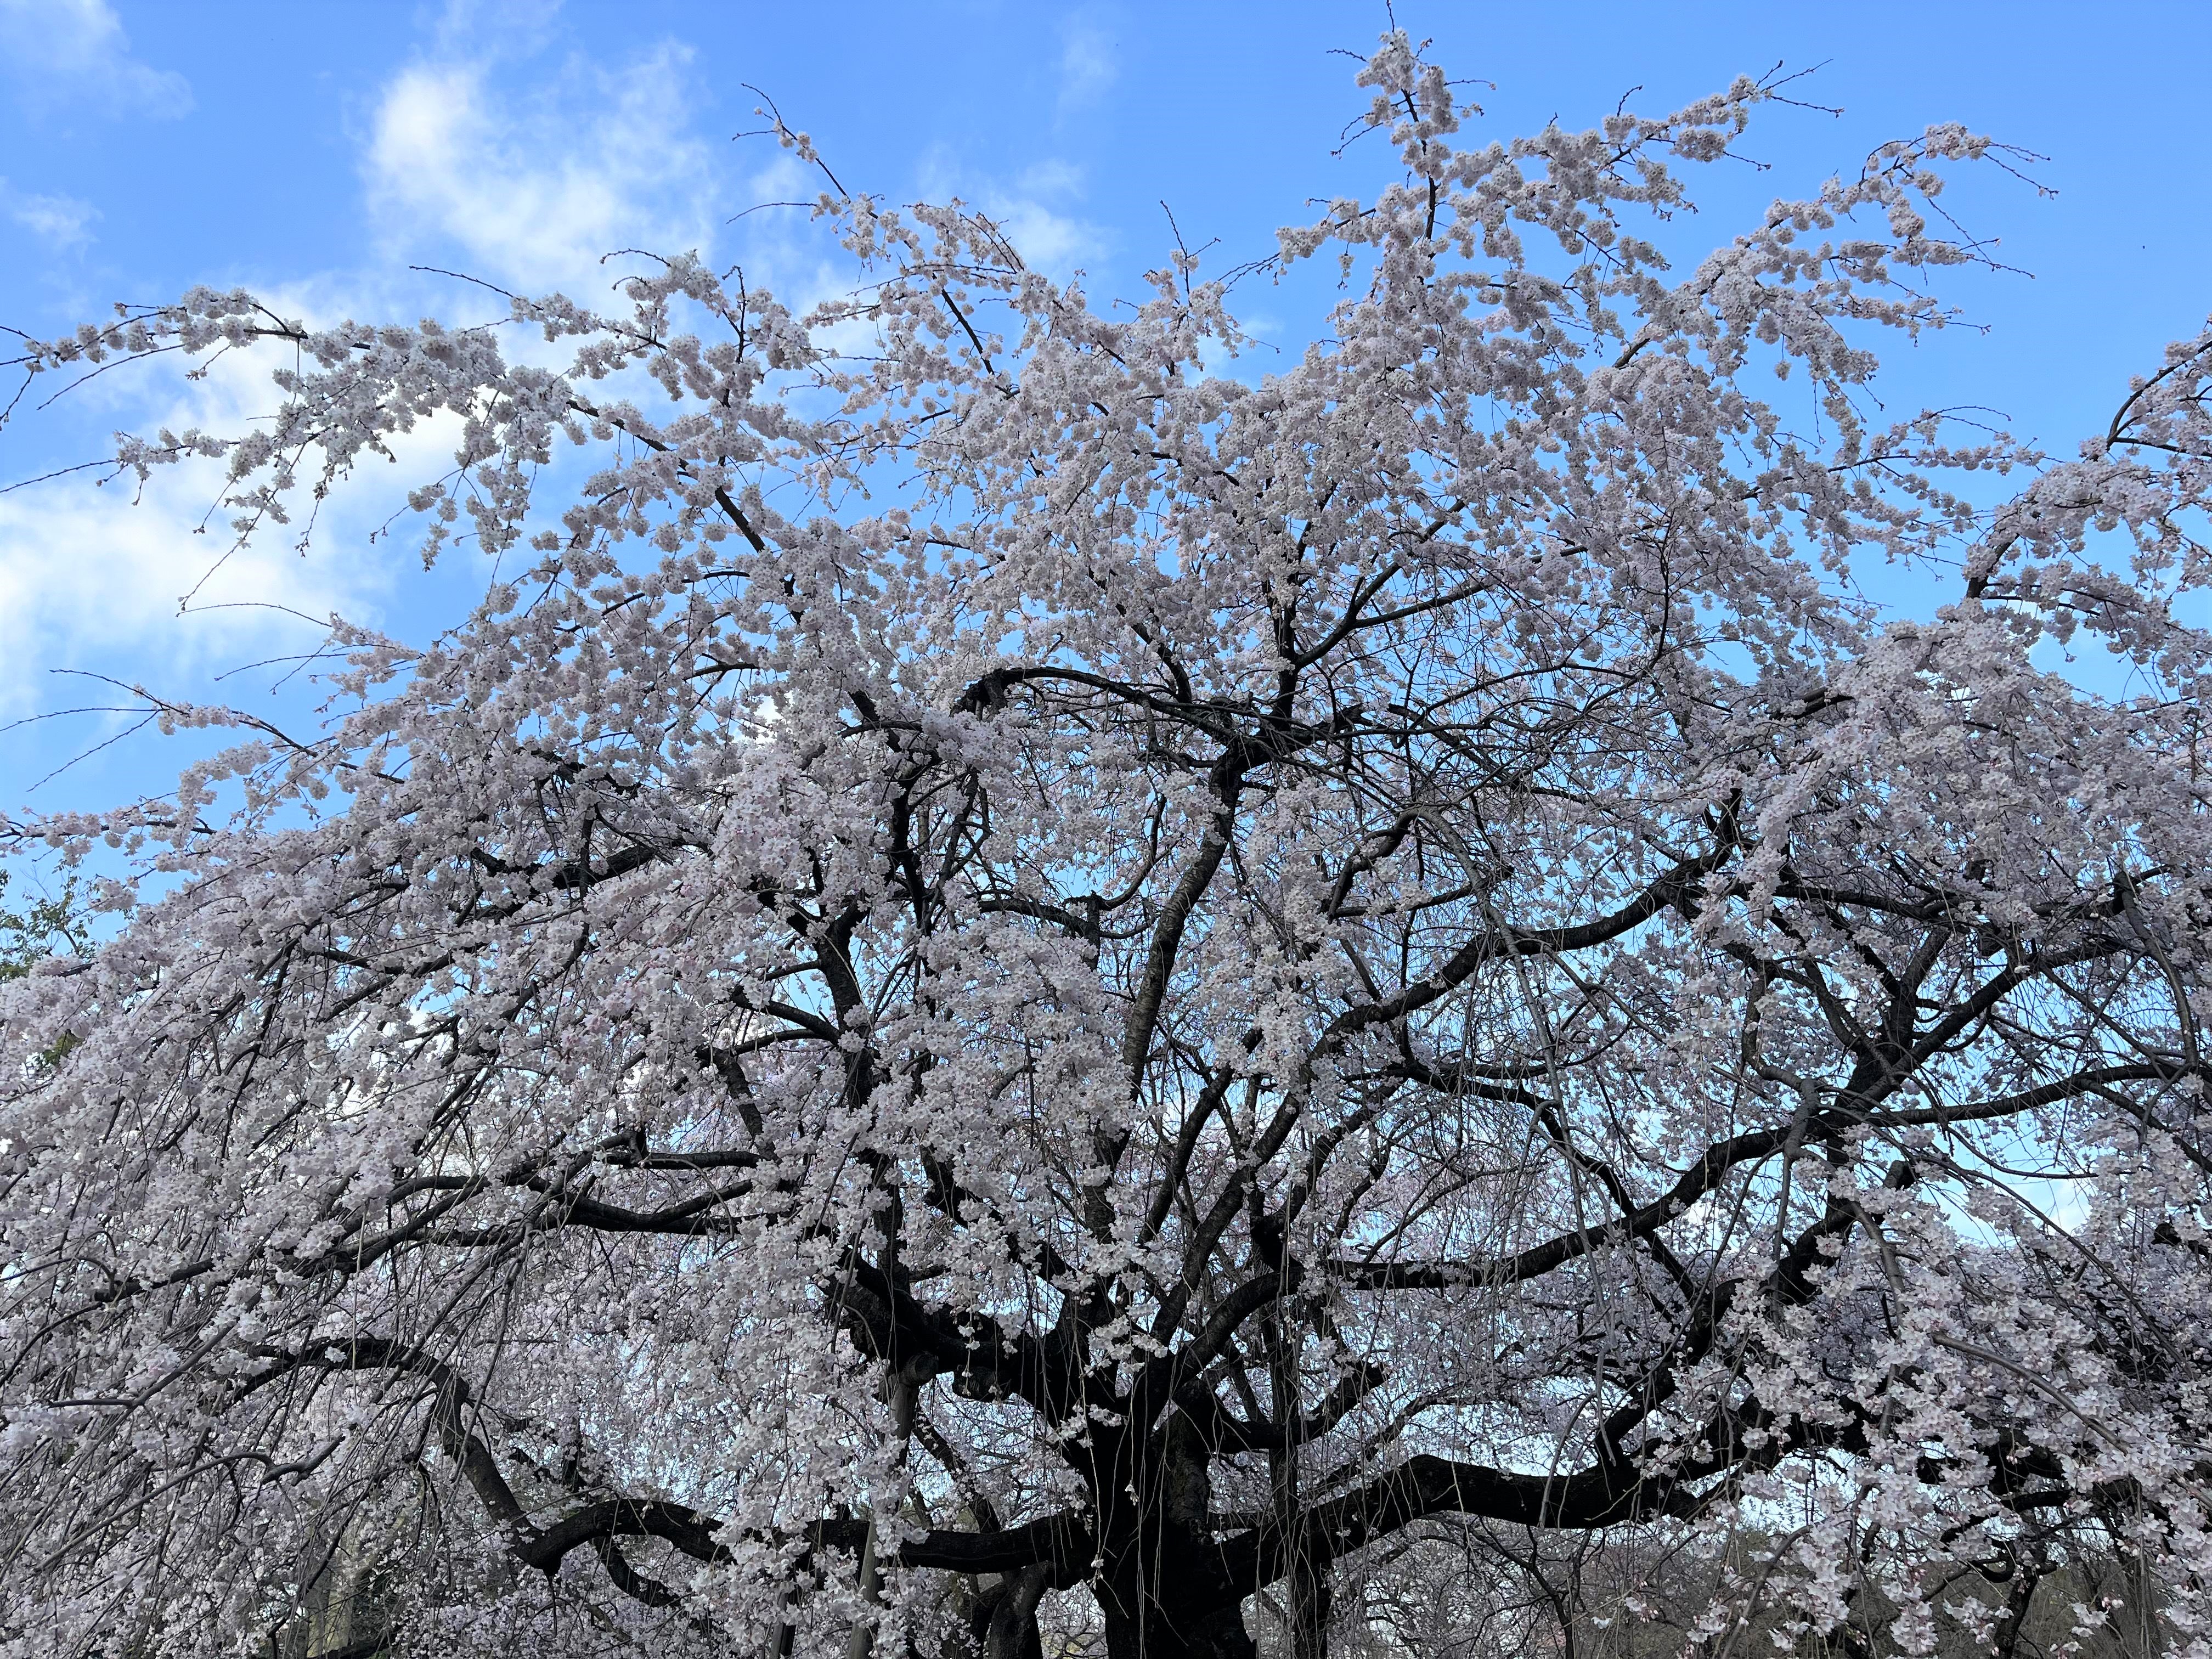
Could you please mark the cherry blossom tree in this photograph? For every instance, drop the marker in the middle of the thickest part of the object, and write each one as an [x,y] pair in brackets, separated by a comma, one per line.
[1015,986]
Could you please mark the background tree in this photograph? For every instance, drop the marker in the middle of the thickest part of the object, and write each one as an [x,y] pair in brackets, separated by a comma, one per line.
[28,935]
[1011,989]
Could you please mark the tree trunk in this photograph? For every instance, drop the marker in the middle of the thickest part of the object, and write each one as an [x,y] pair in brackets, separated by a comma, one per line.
[1013,1633]
[1212,1632]
[1164,1594]
[1309,1602]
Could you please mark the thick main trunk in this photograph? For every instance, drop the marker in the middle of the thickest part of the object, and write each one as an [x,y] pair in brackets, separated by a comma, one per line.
[1160,1628]
[1165,1594]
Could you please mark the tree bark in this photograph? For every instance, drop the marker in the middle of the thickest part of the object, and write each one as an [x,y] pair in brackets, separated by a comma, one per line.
[1012,1633]
[1166,1592]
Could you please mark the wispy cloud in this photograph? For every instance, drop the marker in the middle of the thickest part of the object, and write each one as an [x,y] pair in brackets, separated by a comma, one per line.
[61,223]
[535,188]
[97,578]
[87,579]
[74,54]
[1088,62]
[525,179]
[485,27]
[1036,209]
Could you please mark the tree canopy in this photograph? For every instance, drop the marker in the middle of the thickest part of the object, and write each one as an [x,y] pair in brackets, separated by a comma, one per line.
[1015,985]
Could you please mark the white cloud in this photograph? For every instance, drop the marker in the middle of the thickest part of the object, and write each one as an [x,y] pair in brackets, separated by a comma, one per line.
[1087,62]
[96,578]
[83,582]
[60,221]
[1044,236]
[1033,209]
[73,53]
[535,189]
[88,580]
[524,181]
[480,27]
[524,188]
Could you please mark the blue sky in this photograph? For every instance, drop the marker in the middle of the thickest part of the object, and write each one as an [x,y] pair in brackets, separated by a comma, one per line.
[315,152]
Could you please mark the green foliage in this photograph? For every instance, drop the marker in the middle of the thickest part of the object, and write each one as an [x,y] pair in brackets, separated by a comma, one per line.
[34,933]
